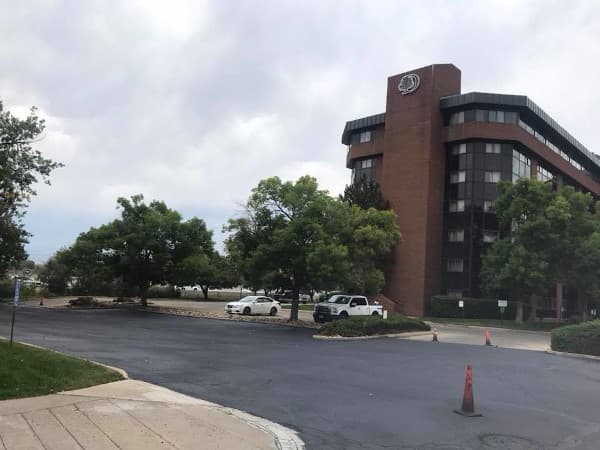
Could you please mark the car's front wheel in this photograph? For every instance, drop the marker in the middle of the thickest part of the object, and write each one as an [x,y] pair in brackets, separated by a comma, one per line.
[375,313]
[273,311]
[343,315]
[247,311]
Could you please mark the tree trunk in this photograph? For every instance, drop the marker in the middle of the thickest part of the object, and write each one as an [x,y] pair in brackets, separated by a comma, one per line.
[144,294]
[533,308]
[295,304]
[582,305]
[204,291]
[559,301]
[519,315]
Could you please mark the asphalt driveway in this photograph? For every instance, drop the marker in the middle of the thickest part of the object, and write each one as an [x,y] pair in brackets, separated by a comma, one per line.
[386,393]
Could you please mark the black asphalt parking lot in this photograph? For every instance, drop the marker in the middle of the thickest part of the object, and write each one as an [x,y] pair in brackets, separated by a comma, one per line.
[373,394]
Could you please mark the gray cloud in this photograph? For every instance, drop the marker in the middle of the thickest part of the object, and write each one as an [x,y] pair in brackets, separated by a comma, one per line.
[193,102]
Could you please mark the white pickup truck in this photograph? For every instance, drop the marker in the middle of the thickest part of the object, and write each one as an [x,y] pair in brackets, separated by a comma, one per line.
[343,306]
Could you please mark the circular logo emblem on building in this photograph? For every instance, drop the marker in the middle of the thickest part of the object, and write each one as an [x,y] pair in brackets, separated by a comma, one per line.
[409,83]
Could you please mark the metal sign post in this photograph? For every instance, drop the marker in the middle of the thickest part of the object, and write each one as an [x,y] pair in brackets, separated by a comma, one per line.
[15,303]
[502,304]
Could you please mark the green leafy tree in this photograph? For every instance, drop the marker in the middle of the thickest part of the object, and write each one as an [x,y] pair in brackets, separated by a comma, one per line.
[56,274]
[364,194]
[545,235]
[521,260]
[207,269]
[21,167]
[149,243]
[297,234]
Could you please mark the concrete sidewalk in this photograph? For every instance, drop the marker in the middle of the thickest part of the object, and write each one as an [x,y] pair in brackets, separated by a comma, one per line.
[133,414]
[500,337]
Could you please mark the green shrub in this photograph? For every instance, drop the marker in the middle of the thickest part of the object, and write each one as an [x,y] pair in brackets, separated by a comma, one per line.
[159,291]
[371,325]
[474,308]
[84,301]
[7,290]
[583,338]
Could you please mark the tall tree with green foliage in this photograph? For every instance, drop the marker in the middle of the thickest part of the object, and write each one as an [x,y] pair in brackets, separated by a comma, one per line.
[149,243]
[205,268]
[545,237]
[21,167]
[56,274]
[311,240]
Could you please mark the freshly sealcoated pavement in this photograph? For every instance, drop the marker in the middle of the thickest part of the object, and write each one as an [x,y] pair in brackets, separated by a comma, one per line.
[373,394]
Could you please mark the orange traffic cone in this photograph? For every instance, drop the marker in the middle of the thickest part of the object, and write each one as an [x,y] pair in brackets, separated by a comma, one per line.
[487,337]
[435,336]
[468,407]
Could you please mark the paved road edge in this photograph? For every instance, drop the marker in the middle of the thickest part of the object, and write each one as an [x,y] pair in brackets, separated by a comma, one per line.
[573,355]
[377,336]
[285,438]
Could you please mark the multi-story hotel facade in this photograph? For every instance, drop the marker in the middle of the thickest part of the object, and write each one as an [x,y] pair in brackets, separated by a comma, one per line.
[438,155]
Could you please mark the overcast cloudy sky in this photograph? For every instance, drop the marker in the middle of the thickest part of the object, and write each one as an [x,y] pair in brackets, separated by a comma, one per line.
[193,102]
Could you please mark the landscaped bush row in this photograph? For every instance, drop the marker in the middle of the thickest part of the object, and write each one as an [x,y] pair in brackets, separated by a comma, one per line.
[166,291]
[474,308]
[370,325]
[7,290]
[583,338]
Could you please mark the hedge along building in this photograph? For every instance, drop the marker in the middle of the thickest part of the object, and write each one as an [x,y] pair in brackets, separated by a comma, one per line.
[437,155]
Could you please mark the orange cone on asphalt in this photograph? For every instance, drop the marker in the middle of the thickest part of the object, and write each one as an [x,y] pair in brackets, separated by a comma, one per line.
[487,337]
[468,404]
[435,336]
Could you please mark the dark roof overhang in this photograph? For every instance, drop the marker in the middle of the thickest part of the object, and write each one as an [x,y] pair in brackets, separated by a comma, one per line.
[523,103]
[359,124]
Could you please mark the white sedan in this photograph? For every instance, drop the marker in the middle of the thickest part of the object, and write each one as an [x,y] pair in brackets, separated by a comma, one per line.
[254,304]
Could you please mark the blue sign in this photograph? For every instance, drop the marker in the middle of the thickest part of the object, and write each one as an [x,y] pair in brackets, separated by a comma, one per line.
[17,289]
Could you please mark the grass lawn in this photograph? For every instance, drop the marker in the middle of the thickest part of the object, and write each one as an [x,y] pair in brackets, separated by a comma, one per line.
[300,307]
[510,324]
[27,371]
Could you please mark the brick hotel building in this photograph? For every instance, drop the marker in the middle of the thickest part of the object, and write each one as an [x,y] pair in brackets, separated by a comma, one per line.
[437,155]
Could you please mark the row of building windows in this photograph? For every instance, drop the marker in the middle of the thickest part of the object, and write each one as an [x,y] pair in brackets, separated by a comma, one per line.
[483,115]
[488,236]
[454,265]
[490,176]
[363,170]
[490,147]
[521,166]
[550,144]
[544,174]
[489,206]
[361,137]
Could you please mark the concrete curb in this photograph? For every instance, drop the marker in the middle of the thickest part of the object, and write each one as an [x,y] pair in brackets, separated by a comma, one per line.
[573,355]
[233,318]
[377,336]
[285,438]
[432,324]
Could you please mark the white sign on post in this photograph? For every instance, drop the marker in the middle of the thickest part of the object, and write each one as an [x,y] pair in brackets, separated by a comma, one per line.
[461,304]
[502,303]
